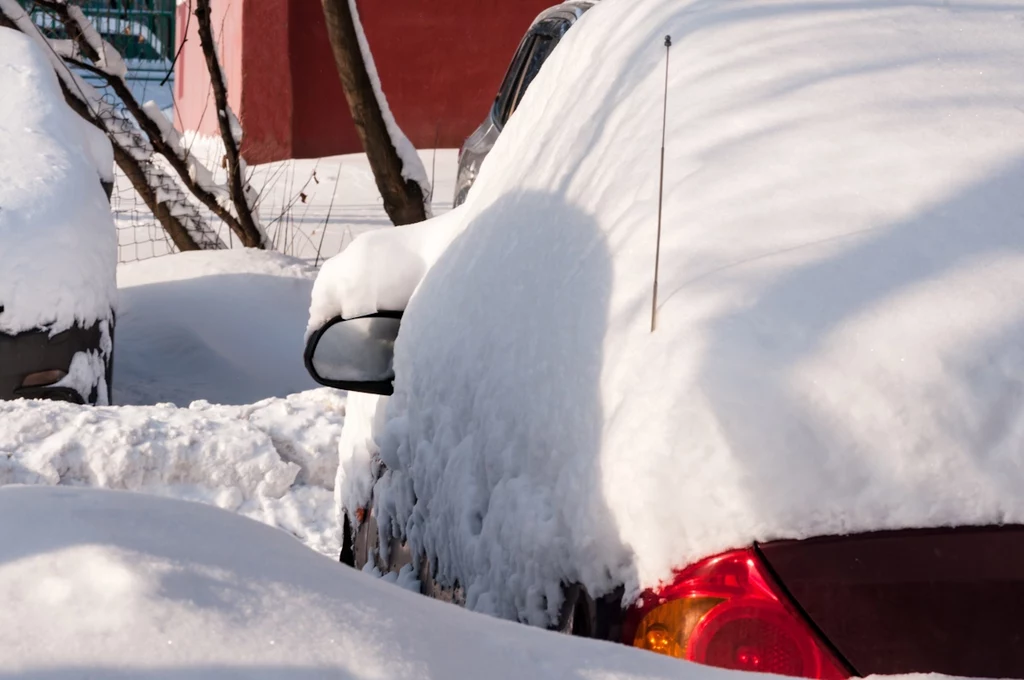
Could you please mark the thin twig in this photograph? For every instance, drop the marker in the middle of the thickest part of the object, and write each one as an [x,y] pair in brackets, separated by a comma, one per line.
[251,235]
[184,39]
[327,221]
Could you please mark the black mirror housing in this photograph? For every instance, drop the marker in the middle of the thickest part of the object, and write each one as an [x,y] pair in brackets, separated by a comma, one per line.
[355,354]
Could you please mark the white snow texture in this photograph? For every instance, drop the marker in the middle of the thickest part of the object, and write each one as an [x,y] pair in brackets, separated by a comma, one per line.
[224,326]
[58,247]
[840,328]
[119,585]
[273,461]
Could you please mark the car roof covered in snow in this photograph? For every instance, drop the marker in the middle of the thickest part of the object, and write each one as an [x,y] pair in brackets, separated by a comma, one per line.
[840,322]
[58,249]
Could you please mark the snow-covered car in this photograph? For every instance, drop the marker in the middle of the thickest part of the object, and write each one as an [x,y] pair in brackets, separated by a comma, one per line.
[789,435]
[536,46]
[58,249]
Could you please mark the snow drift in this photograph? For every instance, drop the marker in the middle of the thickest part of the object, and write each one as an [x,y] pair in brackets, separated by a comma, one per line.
[273,461]
[839,343]
[107,584]
[223,326]
[58,248]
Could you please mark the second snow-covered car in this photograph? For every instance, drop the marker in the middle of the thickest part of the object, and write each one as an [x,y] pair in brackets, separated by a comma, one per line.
[536,46]
[763,410]
[58,249]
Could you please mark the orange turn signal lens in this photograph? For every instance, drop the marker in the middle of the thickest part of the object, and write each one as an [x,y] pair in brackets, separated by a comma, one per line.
[666,629]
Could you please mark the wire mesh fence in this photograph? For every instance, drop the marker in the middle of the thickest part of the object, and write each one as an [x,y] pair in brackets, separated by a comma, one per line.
[310,209]
[139,237]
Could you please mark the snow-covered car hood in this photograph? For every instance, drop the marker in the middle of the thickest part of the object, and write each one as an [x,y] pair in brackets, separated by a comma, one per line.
[840,338]
[58,247]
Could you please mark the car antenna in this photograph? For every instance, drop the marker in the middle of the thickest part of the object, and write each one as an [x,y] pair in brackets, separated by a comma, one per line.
[661,187]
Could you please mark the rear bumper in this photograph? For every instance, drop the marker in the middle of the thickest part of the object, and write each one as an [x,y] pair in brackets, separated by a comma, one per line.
[36,351]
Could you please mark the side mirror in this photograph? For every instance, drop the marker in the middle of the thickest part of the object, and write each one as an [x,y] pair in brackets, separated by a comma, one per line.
[355,354]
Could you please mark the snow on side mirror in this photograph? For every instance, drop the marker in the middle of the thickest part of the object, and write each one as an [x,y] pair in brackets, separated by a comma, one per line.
[355,354]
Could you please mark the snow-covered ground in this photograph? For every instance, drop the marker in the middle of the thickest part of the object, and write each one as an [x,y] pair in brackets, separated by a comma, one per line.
[118,585]
[215,404]
[273,460]
[150,90]
[223,326]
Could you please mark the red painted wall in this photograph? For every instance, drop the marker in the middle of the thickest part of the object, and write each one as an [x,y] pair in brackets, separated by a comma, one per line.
[193,105]
[266,98]
[440,64]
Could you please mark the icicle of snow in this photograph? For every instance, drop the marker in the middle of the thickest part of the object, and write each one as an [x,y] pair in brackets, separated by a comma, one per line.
[412,166]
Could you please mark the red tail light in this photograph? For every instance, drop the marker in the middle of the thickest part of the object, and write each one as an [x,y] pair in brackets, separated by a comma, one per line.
[727,612]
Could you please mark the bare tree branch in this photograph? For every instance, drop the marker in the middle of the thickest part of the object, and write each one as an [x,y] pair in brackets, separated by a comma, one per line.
[130,165]
[403,199]
[184,39]
[136,174]
[177,161]
[251,235]
[74,31]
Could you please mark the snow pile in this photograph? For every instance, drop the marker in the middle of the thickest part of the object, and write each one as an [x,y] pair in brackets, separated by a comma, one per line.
[57,242]
[105,584]
[224,326]
[273,461]
[841,314]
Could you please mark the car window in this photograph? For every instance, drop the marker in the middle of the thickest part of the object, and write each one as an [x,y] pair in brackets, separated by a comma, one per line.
[532,53]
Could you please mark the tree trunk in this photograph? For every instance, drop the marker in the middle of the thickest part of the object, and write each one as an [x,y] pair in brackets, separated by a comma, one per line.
[403,199]
[252,236]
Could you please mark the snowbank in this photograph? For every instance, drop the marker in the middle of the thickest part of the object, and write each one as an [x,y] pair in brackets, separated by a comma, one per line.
[273,461]
[106,584]
[839,342]
[224,326]
[58,248]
